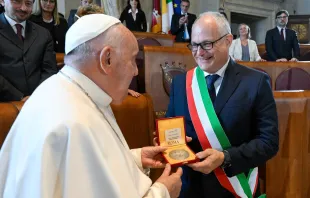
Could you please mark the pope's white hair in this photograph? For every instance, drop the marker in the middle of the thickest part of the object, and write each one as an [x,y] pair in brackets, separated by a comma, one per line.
[221,21]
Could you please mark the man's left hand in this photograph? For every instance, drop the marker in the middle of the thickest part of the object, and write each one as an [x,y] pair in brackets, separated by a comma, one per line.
[151,157]
[294,60]
[212,159]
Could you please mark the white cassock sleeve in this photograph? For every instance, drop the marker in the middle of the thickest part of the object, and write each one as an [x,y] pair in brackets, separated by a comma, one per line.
[157,189]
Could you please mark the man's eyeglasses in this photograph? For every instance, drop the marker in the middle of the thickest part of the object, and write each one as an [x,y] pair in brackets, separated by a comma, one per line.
[206,45]
[281,17]
[50,1]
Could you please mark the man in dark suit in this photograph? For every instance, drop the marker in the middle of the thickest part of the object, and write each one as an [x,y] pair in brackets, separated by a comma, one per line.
[230,114]
[27,55]
[1,7]
[280,41]
[181,24]
[71,19]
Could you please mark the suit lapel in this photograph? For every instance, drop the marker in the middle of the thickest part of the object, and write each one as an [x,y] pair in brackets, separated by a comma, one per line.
[7,31]
[30,36]
[229,84]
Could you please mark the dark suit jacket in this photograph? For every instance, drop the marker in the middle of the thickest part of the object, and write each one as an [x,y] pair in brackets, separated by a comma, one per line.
[179,31]
[24,65]
[58,32]
[71,17]
[138,25]
[247,112]
[277,48]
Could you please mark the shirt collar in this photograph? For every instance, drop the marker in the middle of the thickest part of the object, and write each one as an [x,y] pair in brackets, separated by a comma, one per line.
[130,11]
[101,98]
[183,13]
[13,23]
[220,72]
[279,28]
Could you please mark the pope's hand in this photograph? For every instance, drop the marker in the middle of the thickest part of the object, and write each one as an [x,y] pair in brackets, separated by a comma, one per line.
[212,159]
[172,181]
[151,157]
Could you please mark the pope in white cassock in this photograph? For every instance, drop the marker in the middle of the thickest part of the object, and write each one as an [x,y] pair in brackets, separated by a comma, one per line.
[65,141]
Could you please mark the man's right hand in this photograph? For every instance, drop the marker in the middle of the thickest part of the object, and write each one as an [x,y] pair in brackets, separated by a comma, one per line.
[281,60]
[172,181]
[182,21]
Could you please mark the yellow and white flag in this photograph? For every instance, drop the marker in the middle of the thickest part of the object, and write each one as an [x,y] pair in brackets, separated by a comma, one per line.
[167,12]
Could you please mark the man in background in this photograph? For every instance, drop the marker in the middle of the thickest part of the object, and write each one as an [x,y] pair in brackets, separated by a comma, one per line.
[26,51]
[73,11]
[1,7]
[281,41]
[181,23]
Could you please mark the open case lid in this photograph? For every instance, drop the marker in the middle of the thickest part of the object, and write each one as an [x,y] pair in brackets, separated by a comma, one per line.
[170,131]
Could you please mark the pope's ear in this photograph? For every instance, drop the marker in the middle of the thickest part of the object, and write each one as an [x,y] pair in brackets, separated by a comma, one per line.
[105,59]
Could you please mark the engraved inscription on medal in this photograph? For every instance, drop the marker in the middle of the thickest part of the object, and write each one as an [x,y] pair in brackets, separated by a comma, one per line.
[173,136]
[179,154]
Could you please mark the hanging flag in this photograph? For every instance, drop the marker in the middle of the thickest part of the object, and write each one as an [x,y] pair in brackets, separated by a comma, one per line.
[156,17]
[177,6]
[167,12]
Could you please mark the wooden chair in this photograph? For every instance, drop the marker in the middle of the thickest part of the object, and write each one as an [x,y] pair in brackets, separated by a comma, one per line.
[60,60]
[163,39]
[293,79]
[274,69]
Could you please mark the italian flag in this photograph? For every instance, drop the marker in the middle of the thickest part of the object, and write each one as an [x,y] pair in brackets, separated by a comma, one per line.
[167,12]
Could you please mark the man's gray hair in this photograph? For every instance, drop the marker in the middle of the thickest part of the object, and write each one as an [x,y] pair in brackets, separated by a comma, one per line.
[221,21]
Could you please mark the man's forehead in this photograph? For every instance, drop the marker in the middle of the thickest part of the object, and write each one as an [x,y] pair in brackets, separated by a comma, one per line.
[203,32]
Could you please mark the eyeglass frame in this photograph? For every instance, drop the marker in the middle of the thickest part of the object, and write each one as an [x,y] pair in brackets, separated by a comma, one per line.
[282,17]
[49,1]
[190,46]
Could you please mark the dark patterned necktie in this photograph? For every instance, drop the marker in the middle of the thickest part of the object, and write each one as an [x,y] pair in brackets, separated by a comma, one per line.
[282,34]
[19,28]
[210,83]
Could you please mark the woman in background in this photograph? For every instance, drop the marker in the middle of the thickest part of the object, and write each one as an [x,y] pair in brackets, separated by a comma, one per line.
[134,16]
[95,9]
[46,15]
[243,48]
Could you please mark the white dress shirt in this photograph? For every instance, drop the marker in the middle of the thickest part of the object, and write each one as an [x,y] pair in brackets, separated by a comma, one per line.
[13,23]
[134,15]
[221,73]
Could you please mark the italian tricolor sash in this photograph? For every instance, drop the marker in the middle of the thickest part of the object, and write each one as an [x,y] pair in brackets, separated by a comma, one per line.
[211,134]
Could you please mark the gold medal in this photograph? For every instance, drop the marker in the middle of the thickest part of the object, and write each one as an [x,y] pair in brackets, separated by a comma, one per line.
[179,154]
